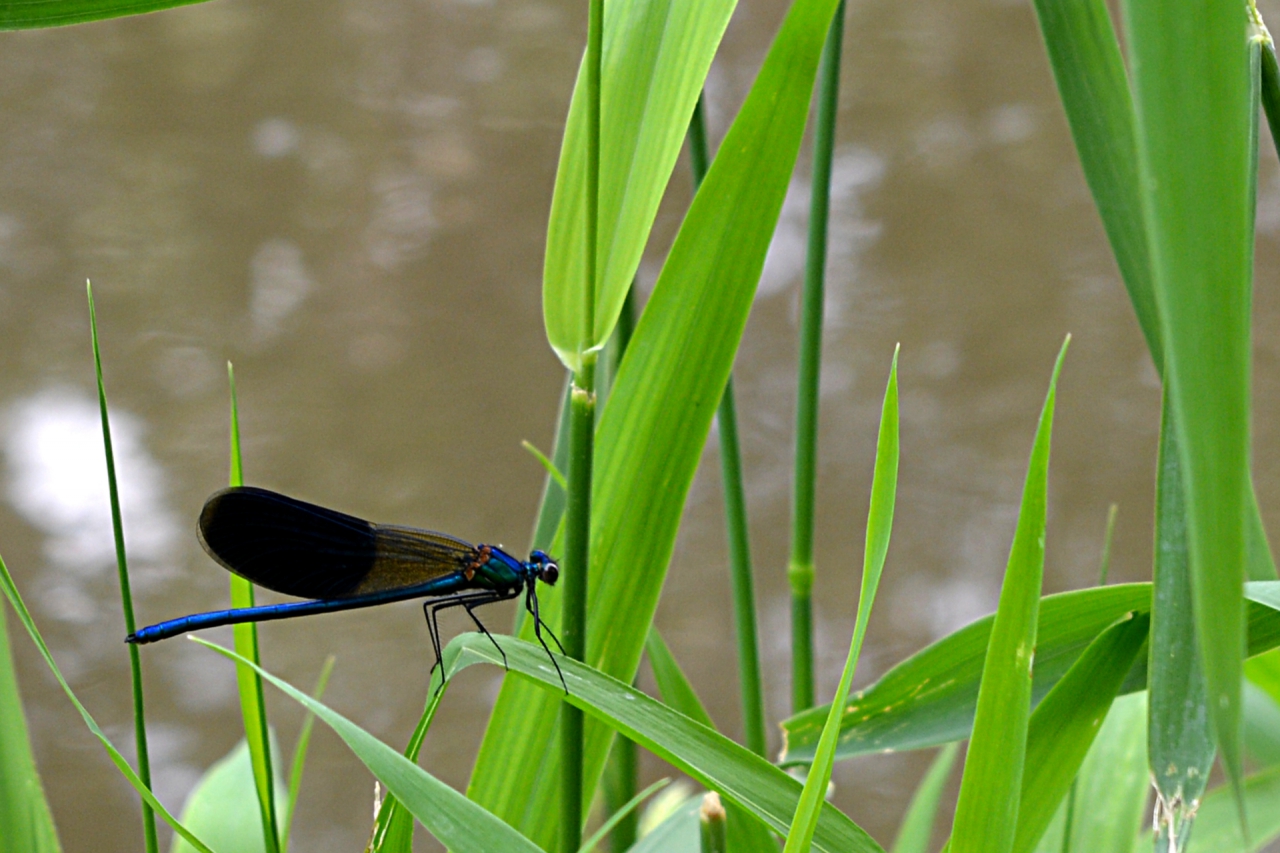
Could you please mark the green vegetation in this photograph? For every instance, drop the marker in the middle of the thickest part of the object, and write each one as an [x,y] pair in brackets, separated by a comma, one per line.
[1055,761]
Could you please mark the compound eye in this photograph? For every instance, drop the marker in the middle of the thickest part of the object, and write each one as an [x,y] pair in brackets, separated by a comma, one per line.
[550,573]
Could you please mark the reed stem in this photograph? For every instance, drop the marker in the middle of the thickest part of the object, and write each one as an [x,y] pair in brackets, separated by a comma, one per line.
[735,509]
[800,572]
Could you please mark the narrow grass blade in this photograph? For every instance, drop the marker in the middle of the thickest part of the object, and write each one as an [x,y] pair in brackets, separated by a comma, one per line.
[618,784]
[1180,738]
[728,768]
[551,507]
[25,821]
[746,833]
[621,814]
[884,490]
[24,616]
[1264,671]
[223,807]
[1063,726]
[987,810]
[656,55]
[1218,823]
[674,687]
[929,698]
[917,824]
[56,13]
[1111,791]
[253,708]
[647,447]
[393,827]
[1195,155]
[126,597]
[458,823]
[300,753]
[1271,87]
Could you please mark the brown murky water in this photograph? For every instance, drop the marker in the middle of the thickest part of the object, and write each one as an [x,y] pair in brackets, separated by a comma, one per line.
[347,199]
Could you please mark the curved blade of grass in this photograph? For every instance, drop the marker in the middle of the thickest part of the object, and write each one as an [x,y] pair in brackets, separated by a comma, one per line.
[25,821]
[987,809]
[32,14]
[1218,824]
[458,823]
[24,616]
[647,448]
[884,490]
[1195,155]
[1063,727]
[126,597]
[917,824]
[223,806]
[1111,792]
[929,698]
[746,833]
[621,814]
[253,709]
[300,753]
[656,55]
[728,768]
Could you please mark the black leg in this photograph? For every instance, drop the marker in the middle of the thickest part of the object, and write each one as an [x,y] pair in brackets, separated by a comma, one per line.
[434,631]
[467,605]
[531,603]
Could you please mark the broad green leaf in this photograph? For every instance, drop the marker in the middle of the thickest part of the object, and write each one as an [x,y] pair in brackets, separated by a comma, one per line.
[917,824]
[30,14]
[1195,155]
[26,826]
[457,822]
[730,769]
[1180,738]
[656,55]
[223,807]
[884,491]
[929,698]
[1217,823]
[1111,790]
[745,832]
[1261,726]
[652,430]
[987,808]
[1063,727]
[10,591]
[253,710]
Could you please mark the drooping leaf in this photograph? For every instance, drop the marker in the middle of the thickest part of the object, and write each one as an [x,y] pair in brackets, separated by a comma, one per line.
[223,806]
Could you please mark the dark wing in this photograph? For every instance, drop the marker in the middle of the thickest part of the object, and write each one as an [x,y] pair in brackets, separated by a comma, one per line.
[301,549]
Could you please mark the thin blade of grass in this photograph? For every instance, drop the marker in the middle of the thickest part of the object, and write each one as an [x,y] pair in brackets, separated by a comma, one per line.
[253,709]
[126,597]
[26,823]
[648,449]
[300,753]
[10,591]
[917,824]
[1062,729]
[987,810]
[884,490]
[1195,155]
[628,808]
